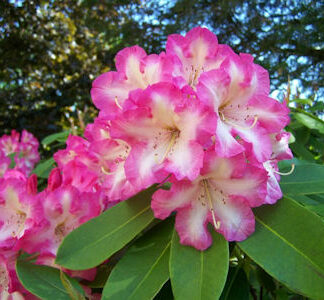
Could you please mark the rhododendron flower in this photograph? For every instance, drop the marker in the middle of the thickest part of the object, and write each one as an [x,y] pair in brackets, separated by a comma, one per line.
[135,70]
[8,278]
[201,114]
[166,131]
[238,92]
[194,54]
[15,208]
[221,195]
[25,147]
[59,211]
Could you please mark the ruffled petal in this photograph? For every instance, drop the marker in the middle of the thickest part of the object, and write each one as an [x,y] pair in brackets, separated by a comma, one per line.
[191,225]
[180,195]
[236,219]
[225,143]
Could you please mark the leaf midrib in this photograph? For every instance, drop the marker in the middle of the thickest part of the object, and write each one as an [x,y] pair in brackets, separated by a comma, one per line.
[48,282]
[151,269]
[201,272]
[110,232]
[317,267]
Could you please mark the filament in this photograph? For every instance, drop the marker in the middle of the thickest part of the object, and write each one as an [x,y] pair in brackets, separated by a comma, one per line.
[173,139]
[216,223]
[117,103]
[286,173]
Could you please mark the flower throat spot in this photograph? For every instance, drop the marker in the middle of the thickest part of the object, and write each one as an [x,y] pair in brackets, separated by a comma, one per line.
[238,126]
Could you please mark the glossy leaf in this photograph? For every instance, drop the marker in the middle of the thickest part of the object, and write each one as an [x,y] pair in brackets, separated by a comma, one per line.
[12,160]
[306,179]
[56,137]
[237,285]
[288,244]
[45,282]
[302,152]
[310,121]
[144,268]
[95,241]
[44,168]
[198,275]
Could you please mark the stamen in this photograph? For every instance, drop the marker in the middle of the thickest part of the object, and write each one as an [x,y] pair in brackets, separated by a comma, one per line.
[173,139]
[117,103]
[286,173]
[216,223]
[236,125]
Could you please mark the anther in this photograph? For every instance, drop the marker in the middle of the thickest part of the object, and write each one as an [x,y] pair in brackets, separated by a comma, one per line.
[105,171]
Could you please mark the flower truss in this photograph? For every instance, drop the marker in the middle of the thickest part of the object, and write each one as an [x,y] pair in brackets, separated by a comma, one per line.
[197,114]
[202,115]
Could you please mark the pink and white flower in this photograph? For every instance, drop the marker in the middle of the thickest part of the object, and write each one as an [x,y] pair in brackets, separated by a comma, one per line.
[135,70]
[166,131]
[222,195]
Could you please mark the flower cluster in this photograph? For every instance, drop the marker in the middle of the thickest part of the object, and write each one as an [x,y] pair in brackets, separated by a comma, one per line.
[24,147]
[198,115]
[37,222]
[201,116]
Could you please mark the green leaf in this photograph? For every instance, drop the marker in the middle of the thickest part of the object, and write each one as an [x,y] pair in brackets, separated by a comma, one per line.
[303,101]
[310,121]
[144,269]
[44,282]
[318,209]
[306,179]
[288,244]
[302,152]
[12,160]
[93,242]
[44,168]
[198,275]
[237,285]
[56,137]
[73,293]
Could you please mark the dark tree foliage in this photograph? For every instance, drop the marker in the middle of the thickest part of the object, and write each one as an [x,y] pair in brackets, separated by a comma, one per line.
[50,51]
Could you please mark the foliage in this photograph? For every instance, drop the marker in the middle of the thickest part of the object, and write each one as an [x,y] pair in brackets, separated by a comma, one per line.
[62,48]
[50,51]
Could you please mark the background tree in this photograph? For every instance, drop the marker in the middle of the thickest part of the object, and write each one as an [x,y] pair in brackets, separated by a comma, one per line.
[50,51]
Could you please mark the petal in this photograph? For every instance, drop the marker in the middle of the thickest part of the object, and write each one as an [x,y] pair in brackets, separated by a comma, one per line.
[213,87]
[128,62]
[225,143]
[106,89]
[259,141]
[180,195]
[273,188]
[141,165]
[185,160]
[235,217]
[280,146]
[252,185]
[191,225]
[272,115]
